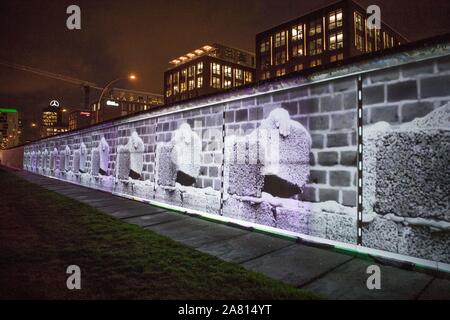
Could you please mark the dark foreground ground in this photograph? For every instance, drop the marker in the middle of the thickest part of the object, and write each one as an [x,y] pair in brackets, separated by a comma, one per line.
[42,233]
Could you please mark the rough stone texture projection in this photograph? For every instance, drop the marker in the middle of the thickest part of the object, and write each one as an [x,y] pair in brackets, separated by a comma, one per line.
[187,151]
[136,147]
[123,162]
[66,158]
[83,157]
[104,154]
[414,174]
[166,171]
[76,161]
[244,166]
[406,193]
[95,161]
[293,142]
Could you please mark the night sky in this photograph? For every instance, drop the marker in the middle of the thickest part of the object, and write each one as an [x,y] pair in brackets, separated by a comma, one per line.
[119,36]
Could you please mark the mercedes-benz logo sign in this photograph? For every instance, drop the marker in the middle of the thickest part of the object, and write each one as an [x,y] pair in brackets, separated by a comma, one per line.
[54,103]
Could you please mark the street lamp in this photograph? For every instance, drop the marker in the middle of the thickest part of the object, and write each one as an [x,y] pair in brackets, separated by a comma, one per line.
[130,77]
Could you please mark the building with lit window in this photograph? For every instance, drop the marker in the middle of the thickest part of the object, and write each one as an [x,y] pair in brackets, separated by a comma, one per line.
[332,33]
[52,121]
[121,102]
[79,119]
[10,128]
[209,69]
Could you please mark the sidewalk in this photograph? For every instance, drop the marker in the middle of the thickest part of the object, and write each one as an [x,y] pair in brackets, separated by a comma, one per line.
[334,275]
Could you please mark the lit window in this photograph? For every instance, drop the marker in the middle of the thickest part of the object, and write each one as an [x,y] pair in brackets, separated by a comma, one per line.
[265,46]
[191,71]
[335,19]
[227,71]
[358,21]
[316,62]
[183,74]
[191,84]
[281,72]
[315,27]
[297,32]
[298,67]
[315,46]
[336,41]
[359,42]
[265,62]
[215,82]
[280,57]
[247,77]
[199,82]
[297,50]
[280,39]
[265,75]
[199,67]
[183,87]
[238,74]
[215,67]
[226,84]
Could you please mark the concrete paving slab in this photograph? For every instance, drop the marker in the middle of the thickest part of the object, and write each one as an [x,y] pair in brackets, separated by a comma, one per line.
[297,264]
[439,289]
[136,212]
[196,232]
[157,218]
[349,282]
[245,247]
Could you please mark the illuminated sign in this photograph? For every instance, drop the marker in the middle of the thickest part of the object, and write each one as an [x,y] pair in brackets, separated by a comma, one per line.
[112,103]
[54,103]
[87,114]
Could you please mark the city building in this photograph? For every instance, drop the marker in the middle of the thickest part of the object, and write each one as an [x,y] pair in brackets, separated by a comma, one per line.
[52,121]
[209,69]
[10,128]
[332,33]
[121,102]
[79,119]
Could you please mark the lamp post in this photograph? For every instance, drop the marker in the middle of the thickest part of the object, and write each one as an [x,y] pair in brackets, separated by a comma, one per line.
[130,77]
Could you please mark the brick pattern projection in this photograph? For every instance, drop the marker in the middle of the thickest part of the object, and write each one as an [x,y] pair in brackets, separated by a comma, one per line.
[284,154]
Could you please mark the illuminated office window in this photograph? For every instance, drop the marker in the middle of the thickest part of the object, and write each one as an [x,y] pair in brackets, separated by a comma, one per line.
[265,46]
[191,71]
[280,39]
[297,50]
[297,32]
[183,87]
[265,75]
[335,19]
[215,67]
[280,57]
[358,22]
[227,71]
[315,46]
[191,84]
[359,42]
[215,82]
[199,82]
[316,62]
[336,41]
[238,74]
[226,84]
[281,72]
[247,77]
[315,27]
[199,67]
[298,67]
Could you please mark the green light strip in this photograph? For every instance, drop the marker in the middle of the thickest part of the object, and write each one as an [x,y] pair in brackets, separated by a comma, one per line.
[8,110]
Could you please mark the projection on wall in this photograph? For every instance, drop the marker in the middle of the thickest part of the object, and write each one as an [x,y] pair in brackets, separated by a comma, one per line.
[288,165]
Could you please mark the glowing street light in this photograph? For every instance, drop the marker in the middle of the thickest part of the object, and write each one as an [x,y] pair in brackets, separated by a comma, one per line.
[130,77]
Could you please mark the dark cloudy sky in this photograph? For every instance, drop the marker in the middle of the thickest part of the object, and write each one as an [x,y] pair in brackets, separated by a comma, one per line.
[119,36]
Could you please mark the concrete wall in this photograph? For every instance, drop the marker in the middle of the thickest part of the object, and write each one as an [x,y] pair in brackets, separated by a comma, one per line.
[321,112]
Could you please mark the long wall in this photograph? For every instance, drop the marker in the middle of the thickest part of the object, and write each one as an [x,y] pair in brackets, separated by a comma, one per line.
[214,154]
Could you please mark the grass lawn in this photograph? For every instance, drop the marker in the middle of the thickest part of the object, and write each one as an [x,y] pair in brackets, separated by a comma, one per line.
[42,232]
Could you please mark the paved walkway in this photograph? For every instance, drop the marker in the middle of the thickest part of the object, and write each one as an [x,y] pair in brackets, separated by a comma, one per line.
[335,275]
